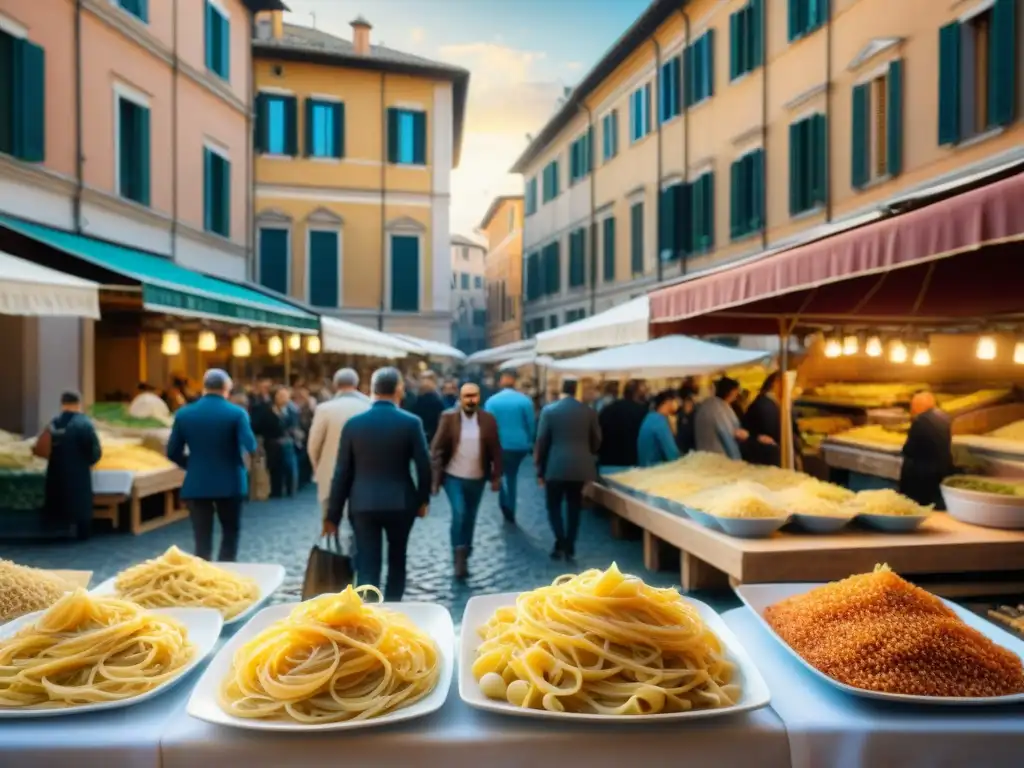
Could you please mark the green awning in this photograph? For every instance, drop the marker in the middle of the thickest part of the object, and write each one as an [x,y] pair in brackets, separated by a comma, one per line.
[171,288]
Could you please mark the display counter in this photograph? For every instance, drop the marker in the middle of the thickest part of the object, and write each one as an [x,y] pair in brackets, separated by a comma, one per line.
[156,482]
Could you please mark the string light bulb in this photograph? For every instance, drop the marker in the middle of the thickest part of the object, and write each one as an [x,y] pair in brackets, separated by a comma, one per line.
[313,345]
[874,347]
[986,349]
[295,342]
[922,357]
[1018,352]
[275,346]
[897,351]
[207,341]
[170,343]
[833,347]
[241,346]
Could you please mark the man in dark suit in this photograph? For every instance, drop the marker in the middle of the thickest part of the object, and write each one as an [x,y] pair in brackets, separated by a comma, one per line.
[428,404]
[374,477]
[568,440]
[928,453]
[217,435]
[620,423]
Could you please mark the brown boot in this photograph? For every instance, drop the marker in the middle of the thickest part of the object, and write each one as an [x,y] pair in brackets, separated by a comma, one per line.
[461,562]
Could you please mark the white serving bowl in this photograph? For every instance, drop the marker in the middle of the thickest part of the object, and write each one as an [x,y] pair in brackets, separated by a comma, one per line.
[893,523]
[751,527]
[991,510]
[820,523]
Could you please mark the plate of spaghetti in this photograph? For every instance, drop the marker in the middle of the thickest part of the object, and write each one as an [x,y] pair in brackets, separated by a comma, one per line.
[177,579]
[88,652]
[605,646]
[338,661]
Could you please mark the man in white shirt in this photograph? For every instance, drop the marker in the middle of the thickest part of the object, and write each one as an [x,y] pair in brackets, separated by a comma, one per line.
[465,454]
[329,420]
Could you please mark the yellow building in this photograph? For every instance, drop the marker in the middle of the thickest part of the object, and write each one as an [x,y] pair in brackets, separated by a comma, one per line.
[714,130]
[502,225]
[355,144]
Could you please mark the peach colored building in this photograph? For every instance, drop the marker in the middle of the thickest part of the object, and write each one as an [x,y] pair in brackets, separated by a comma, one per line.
[503,226]
[714,130]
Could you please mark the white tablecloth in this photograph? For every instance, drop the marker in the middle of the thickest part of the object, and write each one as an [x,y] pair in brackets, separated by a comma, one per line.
[112,481]
[830,728]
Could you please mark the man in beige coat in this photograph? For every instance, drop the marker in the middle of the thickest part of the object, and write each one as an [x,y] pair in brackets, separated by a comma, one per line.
[329,420]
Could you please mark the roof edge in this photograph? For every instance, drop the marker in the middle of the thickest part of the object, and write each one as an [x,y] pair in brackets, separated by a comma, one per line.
[492,209]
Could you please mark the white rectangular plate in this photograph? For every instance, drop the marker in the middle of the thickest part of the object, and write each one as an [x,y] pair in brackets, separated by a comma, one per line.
[268,577]
[479,610]
[432,619]
[203,625]
[757,597]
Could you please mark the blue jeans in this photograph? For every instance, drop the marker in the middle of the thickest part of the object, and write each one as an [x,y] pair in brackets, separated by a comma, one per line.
[510,461]
[464,497]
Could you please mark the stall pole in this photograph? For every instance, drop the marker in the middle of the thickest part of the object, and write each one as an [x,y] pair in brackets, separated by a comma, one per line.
[786,406]
[287,364]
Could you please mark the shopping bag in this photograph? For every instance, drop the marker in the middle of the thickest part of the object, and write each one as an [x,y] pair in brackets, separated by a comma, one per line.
[329,568]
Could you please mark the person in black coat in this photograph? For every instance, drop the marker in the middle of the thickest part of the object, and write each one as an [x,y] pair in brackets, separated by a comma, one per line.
[428,405]
[763,420]
[686,439]
[72,446]
[620,424]
[927,453]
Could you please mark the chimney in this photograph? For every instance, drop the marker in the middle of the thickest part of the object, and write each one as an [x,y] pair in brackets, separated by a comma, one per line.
[361,36]
[277,24]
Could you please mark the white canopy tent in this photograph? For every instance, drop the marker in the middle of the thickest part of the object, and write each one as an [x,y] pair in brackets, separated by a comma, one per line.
[625,324]
[35,291]
[343,337]
[504,352]
[667,357]
[524,360]
[432,348]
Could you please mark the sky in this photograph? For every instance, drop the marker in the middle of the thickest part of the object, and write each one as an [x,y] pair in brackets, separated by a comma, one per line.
[521,54]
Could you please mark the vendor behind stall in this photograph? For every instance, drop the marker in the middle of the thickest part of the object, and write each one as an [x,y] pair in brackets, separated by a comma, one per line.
[927,453]
[656,444]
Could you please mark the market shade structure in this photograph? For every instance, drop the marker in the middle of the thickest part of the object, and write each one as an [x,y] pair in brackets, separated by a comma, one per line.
[502,353]
[524,360]
[168,287]
[343,337]
[669,356]
[956,261]
[35,291]
[431,348]
[625,324]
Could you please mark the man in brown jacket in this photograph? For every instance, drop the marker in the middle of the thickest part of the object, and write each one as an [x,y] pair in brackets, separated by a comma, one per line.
[465,454]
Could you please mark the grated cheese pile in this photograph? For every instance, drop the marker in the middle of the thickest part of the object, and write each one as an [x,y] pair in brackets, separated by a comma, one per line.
[885,502]
[26,590]
[796,501]
[1014,431]
[742,499]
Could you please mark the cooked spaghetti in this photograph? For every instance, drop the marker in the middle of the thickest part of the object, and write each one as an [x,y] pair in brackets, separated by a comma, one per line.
[603,643]
[885,501]
[333,658]
[88,650]
[179,580]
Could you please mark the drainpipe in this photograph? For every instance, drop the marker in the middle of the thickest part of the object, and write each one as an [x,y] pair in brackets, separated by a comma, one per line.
[79,158]
[764,130]
[828,114]
[383,201]
[686,121]
[174,135]
[250,163]
[657,185]
[591,129]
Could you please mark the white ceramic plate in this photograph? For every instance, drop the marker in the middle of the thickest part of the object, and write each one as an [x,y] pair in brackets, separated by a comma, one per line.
[758,597]
[479,610]
[432,619]
[750,527]
[820,523]
[203,625]
[893,523]
[268,577]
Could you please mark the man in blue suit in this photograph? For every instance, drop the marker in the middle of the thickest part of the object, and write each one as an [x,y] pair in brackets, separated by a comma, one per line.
[216,435]
[374,477]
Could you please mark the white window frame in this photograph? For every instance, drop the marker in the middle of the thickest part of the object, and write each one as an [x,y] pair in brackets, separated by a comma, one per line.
[220,8]
[287,227]
[13,28]
[126,12]
[338,230]
[405,231]
[139,99]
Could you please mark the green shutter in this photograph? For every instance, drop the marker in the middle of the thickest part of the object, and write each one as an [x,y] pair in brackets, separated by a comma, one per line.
[405,273]
[262,126]
[392,135]
[339,130]
[208,36]
[794,166]
[949,84]
[709,210]
[142,155]
[609,249]
[735,214]
[225,47]
[323,269]
[273,259]
[307,134]
[860,136]
[735,45]
[291,127]
[207,190]
[819,159]
[894,119]
[636,238]
[689,76]
[792,28]
[225,197]
[29,101]
[709,60]
[419,138]
[1002,64]
[755,31]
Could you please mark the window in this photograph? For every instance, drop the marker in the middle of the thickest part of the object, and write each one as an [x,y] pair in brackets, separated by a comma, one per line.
[534,326]
[640,112]
[577,258]
[746,194]
[807,164]
[276,132]
[669,89]
[478,282]
[674,230]
[216,192]
[325,128]
[464,281]
[407,137]
[550,181]
[746,39]
[137,8]
[572,315]
[218,41]
[805,16]
[579,157]
[405,273]
[877,131]
[553,322]
[531,196]
[22,94]
[132,150]
[977,73]
[552,256]
[608,242]
[702,203]
[324,268]
[512,218]
[699,61]
[480,318]
[636,238]
[534,280]
[610,135]
[273,258]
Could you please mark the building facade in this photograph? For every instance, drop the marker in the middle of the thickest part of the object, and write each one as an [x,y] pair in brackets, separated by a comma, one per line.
[714,130]
[355,145]
[503,227]
[469,295]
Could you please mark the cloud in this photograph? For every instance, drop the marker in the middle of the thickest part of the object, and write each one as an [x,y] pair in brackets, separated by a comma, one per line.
[574,66]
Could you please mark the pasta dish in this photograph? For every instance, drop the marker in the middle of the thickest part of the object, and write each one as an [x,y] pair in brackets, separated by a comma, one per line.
[334,658]
[603,643]
[88,650]
[179,580]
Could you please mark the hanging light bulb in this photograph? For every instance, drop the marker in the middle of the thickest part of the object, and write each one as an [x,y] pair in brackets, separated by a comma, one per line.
[313,345]
[207,341]
[851,344]
[874,347]
[275,346]
[295,342]
[170,343]
[833,346]
[922,356]
[241,346]
[986,349]
[1018,352]
[897,351]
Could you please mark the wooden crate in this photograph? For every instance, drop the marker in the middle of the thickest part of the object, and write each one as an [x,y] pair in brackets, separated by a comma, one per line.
[165,482]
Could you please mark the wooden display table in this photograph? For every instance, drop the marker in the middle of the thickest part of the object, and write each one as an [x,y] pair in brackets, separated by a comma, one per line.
[155,482]
[710,559]
[860,458]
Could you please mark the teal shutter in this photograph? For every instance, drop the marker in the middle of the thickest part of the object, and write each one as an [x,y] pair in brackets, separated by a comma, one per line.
[794,168]
[208,35]
[207,190]
[709,210]
[793,9]
[339,130]
[405,273]
[757,220]
[308,133]
[735,45]
[261,139]
[709,62]
[225,47]
[323,269]
[636,234]
[609,249]
[684,215]
[735,214]
[142,155]
[949,84]
[755,32]
[224,195]
[419,138]
[291,127]
[1002,64]
[28,101]
[860,136]
[392,135]
[143,9]
[894,119]
[689,76]
[819,159]
[273,259]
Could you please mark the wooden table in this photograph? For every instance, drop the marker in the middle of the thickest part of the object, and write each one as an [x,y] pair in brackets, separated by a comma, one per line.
[711,559]
[155,482]
[879,462]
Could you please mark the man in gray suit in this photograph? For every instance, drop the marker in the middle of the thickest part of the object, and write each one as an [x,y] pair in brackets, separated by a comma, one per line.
[568,440]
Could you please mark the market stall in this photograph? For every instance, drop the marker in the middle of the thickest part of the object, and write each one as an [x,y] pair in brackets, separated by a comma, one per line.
[666,357]
[623,324]
[494,355]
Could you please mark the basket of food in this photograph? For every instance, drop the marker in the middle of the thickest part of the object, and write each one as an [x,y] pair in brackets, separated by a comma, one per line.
[985,501]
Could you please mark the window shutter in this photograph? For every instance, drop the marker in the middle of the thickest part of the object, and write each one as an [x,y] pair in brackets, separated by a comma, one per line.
[260,134]
[949,84]
[755,32]
[29,101]
[224,194]
[794,168]
[894,118]
[143,8]
[589,163]
[684,215]
[225,47]
[1002,64]
[735,44]
[819,159]
[734,199]
[709,210]
[609,249]
[756,211]
[419,138]
[291,128]
[209,37]
[323,269]
[860,136]
[709,62]
[207,190]
[636,238]
[405,273]
[339,130]
[392,135]
[308,129]
[142,155]
[791,19]
[689,76]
